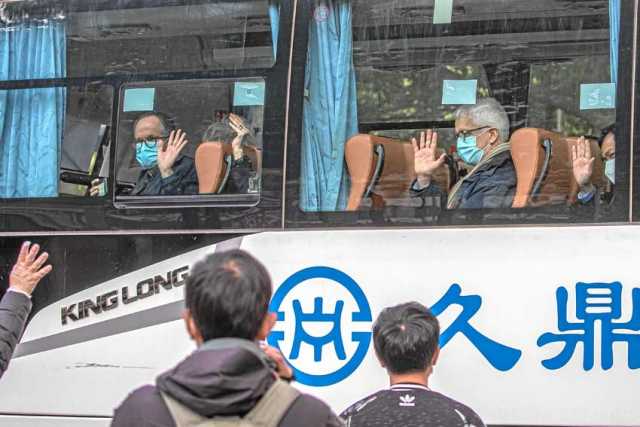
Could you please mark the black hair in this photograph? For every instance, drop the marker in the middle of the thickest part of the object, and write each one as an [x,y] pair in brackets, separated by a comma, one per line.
[606,131]
[228,295]
[405,337]
[166,122]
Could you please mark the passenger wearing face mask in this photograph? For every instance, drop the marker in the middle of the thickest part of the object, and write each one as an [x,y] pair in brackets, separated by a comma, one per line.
[165,171]
[608,150]
[234,131]
[482,135]
[583,167]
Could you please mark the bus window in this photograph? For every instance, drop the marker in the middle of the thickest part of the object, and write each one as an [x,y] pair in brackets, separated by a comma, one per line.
[148,36]
[191,138]
[63,125]
[85,146]
[520,96]
[53,140]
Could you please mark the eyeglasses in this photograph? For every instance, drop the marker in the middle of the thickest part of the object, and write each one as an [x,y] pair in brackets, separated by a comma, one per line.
[465,133]
[150,142]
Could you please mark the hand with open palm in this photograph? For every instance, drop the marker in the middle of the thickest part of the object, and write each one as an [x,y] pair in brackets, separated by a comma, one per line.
[168,155]
[582,162]
[30,268]
[426,161]
[241,130]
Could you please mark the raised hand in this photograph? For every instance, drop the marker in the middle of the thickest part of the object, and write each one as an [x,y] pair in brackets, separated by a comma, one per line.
[29,270]
[424,155]
[582,162]
[241,130]
[238,125]
[167,156]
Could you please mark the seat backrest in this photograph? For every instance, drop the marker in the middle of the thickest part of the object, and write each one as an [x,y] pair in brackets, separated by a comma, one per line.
[558,184]
[397,173]
[211,167]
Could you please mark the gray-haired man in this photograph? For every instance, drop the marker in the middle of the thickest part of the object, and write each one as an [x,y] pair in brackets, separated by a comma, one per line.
[482,135]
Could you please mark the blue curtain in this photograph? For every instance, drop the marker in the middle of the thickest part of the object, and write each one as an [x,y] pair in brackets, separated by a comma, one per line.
[274,17]
[614,30]
[330,114]
[31,120]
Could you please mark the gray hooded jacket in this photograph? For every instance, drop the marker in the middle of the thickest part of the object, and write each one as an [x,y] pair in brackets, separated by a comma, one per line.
[224,377]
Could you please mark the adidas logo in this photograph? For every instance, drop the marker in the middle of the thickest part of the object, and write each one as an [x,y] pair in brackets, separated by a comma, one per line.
[407,400]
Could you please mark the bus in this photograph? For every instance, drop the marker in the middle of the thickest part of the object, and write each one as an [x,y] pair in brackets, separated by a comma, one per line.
[299,116]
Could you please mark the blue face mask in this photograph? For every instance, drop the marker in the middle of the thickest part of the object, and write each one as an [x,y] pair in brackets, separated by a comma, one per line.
[610,170]
[146,155]
[468,150]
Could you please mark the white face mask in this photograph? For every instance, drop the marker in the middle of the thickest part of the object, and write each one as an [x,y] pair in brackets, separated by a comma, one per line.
[610,170]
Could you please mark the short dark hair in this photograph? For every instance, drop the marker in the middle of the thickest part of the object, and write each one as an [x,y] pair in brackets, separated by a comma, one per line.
[606,131]
[228,295]
[405,337]
[166,122]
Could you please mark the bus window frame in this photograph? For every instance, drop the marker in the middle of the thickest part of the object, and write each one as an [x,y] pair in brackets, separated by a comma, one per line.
[191,200]
[103,215]
[618,212]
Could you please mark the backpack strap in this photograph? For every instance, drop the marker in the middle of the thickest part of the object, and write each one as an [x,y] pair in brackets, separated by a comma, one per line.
[182,416]
[270,410]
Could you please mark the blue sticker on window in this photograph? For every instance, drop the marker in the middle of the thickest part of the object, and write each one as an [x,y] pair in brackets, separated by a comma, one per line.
[596,96]
[141,99]
[247,94]
[459,91]
[442,11]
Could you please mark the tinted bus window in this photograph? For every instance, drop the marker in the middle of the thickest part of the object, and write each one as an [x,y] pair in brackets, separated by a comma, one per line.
[522,98]
[63,125]
[190,138]
[53,140]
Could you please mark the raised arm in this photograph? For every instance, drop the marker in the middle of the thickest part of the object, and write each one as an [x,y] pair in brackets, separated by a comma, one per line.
[16,302]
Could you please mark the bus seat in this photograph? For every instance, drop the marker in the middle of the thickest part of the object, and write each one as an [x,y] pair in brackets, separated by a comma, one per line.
[213,165]
[542,160]
[382,167]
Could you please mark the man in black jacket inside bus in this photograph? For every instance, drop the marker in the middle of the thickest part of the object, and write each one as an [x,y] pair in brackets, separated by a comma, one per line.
[165,170]
[229,375]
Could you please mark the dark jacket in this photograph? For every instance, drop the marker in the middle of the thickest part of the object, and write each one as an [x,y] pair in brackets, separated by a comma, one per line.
[183,181]
[493,185]
[225,379]
[241,170]
[14,310]
[410,405]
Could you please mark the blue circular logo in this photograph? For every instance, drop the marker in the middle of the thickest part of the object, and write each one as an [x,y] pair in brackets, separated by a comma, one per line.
[308,291]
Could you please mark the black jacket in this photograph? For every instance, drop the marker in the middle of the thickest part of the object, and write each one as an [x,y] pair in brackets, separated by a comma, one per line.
[183,181]
[14,309]
[410,405]
[493,185]
[241,170]
[221,378]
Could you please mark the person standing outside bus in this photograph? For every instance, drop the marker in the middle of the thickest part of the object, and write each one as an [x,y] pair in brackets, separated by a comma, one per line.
[15,305]
[405,340]
[229,376]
